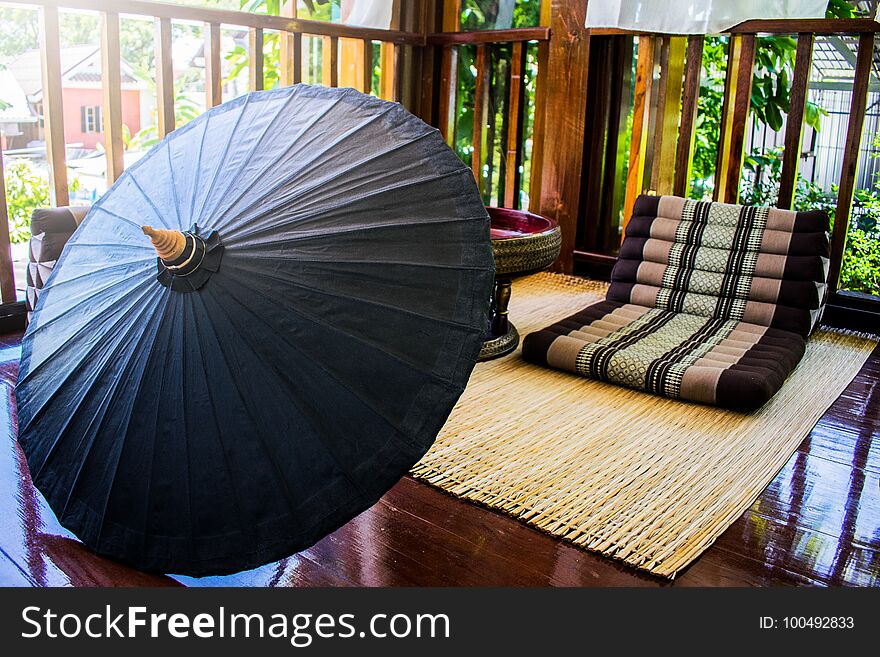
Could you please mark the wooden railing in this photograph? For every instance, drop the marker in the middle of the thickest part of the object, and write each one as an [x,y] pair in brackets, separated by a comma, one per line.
[664,116]
[580,102]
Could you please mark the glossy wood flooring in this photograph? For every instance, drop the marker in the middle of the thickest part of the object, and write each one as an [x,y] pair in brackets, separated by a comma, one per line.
[818,523]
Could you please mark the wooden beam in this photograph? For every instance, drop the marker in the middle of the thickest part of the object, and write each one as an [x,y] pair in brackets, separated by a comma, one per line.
[111,83]
[514,117]
[537,157]
[53,111]
[517,34]
[563,138]
[735,116]
[641,113]
[184,12]
[7,272]
[164,77]
[850,165]
[794,126]
[213,81]
[330,61]
[684,155]
[668,122]
[255,59]
[481,100]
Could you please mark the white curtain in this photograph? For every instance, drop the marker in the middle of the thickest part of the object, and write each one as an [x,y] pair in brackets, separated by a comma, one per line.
[367,13]
[694,16]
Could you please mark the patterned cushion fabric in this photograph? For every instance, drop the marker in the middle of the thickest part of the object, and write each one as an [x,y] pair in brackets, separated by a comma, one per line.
[50,230]
[709,303]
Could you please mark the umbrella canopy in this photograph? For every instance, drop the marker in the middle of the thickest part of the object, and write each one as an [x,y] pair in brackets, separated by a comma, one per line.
[320,301]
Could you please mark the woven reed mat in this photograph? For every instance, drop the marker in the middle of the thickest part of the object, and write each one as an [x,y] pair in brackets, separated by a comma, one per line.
[643,479]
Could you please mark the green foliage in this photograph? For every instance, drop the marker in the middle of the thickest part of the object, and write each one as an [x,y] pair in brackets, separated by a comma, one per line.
[184,112]
[482,14]
[770,100]
[860,269]
[27,188]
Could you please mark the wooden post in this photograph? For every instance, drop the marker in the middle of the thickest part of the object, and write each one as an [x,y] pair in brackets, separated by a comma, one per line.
[431,21]
[794,127]
[330,61]
[7,272]
[366,82]
[669,106]
[538,135]
[448,87]
[850,164]
[164,78]
[53,112]
[389,54]
[684,155]
[566,88]
[737,101]
[255,59]
[213,81]
[641,114]
[481,100]
[111,82]
[351,63]
[515,113]
[290,49]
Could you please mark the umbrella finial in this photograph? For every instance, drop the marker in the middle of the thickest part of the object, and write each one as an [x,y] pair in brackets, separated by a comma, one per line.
[169,244]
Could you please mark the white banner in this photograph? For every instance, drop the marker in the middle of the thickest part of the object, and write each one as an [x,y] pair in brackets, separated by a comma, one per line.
[694,16]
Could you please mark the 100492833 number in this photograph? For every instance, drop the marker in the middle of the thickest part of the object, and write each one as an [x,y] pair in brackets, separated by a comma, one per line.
[817,623]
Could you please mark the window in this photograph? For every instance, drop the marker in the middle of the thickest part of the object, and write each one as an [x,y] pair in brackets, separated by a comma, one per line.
[90,117]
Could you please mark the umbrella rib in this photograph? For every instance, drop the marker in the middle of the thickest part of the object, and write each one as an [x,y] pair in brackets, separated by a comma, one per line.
[219,165]
[339,261]
[253,149]
[293,143]
[148,200]
[210,326]
[306,355]
[269,212]
[195,185]
[284,379]
[305,129]
[98,318]
[124,433]
[101,208]
[356,338]
[91,295]
[302,168]
[172,184]
[106,402]
[72,412]
[149,486]
[404,311]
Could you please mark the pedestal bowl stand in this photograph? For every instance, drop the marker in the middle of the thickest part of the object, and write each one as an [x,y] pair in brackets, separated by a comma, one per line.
[523,243]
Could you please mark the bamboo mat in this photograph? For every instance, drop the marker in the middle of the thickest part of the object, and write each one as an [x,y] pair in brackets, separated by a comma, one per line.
[647,480]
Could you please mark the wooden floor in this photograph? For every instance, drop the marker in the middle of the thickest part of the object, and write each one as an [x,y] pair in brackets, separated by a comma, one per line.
[818,523]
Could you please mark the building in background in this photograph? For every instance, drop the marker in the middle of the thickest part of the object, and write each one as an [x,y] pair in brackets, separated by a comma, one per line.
[81,96]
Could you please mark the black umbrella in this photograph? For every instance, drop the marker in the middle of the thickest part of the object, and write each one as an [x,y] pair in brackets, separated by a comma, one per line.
[307,333]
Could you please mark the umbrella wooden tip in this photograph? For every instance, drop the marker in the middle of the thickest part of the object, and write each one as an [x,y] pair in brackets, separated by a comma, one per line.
[169,244]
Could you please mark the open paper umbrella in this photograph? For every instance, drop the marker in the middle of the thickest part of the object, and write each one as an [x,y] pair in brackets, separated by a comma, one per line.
[296,351]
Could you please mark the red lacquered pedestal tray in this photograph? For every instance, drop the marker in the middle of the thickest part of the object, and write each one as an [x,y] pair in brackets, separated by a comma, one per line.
[523,243]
